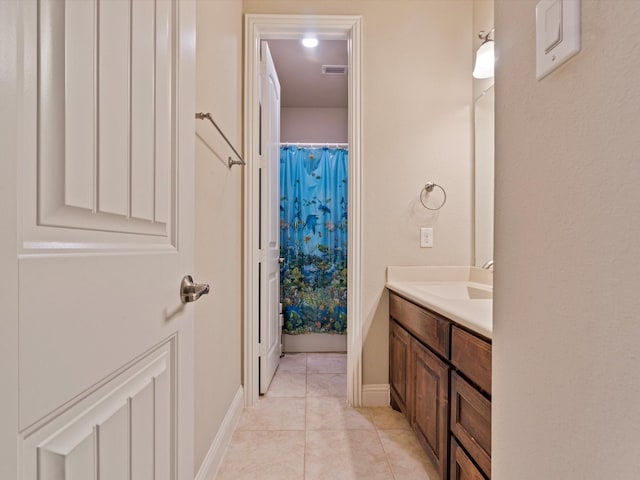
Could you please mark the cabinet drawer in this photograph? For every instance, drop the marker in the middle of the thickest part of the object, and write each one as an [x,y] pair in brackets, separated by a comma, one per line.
[471,421]
[462,468]
[472,356]
[426,327]
[395,305]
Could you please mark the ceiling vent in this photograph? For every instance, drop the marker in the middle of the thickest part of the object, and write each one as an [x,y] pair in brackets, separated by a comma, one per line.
[334,69]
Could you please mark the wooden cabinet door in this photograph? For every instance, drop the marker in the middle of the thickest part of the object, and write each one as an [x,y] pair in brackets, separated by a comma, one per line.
[462,468]
[399,355]
[471,421]
[429,396]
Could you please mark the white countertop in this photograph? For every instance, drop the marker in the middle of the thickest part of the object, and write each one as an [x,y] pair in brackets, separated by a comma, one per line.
[440,289]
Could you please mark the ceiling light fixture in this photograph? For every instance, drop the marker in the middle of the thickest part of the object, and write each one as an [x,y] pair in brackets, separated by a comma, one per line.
[310,42]
[485,56]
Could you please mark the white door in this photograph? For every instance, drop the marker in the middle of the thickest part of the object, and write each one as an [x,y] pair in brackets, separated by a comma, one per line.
[105,234]
[269,244]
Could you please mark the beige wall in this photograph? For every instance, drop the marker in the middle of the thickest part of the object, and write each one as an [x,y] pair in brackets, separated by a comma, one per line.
[566,391]
[416,119]
[218,237]
[311,125]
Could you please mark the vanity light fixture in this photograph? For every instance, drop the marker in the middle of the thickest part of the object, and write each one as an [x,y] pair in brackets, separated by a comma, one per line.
[485,56]
[310,42]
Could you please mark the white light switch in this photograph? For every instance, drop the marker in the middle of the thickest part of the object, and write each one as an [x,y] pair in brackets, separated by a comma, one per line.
[426,237]
[553,26]
[557,34]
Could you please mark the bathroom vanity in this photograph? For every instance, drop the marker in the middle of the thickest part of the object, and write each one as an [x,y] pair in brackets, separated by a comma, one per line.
[440,363]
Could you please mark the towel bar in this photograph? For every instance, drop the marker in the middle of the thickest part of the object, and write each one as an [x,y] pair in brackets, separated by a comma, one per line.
[232,162]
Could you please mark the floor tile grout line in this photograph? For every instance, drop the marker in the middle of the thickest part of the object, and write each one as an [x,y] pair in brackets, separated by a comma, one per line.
[386,454]
[368,412]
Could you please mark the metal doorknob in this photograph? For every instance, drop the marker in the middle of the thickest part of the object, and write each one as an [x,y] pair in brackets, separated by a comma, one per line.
[189,291]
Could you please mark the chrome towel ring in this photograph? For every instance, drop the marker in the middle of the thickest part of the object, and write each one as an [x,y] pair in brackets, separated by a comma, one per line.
[426,190]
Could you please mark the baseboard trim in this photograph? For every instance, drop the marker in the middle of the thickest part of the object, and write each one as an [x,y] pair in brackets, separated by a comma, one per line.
[314,342]
[213,458]
[375,395]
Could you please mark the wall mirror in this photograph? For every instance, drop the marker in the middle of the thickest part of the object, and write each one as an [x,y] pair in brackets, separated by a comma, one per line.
[484,129]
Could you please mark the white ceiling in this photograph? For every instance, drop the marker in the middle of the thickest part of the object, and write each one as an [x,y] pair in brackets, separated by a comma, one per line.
[300,73]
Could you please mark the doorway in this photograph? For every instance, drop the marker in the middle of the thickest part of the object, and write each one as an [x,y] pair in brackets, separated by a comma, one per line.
[294,27]
[313,194]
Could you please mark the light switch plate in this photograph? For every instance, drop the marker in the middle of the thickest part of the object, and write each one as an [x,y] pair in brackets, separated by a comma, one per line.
[426,237]
[557,34]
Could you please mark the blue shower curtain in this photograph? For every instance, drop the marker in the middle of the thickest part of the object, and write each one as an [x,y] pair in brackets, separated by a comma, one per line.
[313,239]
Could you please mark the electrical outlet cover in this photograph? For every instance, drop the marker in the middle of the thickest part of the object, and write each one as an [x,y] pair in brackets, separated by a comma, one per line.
[557,34]
[426,237]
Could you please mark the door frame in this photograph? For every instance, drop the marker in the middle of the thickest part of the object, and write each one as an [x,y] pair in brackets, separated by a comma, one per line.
[10,21]
[259,27]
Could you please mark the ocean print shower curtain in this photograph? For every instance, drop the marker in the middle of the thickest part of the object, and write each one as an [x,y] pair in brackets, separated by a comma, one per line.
[313,239]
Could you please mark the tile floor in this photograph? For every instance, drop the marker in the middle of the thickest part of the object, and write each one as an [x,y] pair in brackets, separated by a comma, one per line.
[302,429]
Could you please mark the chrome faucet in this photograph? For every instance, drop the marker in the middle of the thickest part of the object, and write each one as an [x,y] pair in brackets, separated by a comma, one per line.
[488,264]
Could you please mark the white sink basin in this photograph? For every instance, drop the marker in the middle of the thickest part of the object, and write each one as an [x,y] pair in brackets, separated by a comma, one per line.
[462,294]
[457,292]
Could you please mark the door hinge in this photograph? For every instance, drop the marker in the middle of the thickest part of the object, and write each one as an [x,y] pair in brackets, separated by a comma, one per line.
[262,350]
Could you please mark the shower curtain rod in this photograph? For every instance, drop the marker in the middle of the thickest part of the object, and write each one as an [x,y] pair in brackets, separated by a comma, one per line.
[319,145]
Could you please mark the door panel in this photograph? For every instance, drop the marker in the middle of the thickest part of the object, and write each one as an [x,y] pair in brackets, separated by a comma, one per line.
[119,428]
[103,156]
[114,121]
[270,221]
[106,165]
[142,102]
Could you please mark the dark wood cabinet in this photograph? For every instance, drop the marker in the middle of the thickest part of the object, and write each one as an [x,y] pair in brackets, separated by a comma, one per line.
[471,421]
[429,394]
[462,468]
[440,378]
[399,352]
[430,329]
[472,355]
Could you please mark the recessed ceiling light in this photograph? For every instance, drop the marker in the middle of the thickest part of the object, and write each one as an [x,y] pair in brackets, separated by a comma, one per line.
[310,42]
